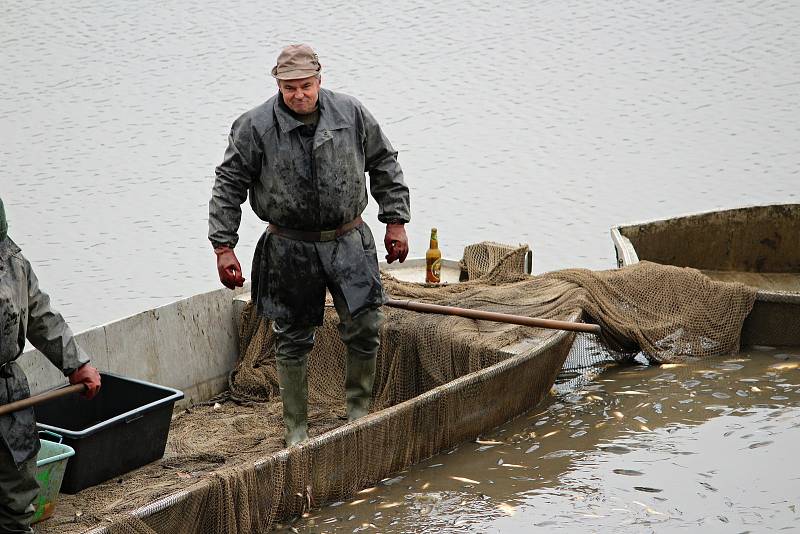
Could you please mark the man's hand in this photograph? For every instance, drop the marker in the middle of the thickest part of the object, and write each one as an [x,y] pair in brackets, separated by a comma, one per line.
[396,242]
[88,375]
[230,272]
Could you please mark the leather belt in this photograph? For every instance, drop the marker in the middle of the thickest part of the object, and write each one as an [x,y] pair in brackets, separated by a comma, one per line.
[325,235]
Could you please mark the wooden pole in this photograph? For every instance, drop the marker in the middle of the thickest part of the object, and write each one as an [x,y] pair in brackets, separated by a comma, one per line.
[493,316]
[37,399]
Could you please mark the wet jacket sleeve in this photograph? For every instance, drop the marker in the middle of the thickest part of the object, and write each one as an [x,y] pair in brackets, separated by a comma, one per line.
[386,182]
[48,331]
[234,176]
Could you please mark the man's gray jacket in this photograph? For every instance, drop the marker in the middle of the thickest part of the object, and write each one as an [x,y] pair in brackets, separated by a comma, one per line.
[314,187]
[25,313]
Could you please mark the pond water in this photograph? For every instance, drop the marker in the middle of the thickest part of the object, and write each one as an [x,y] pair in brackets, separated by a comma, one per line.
[680,447]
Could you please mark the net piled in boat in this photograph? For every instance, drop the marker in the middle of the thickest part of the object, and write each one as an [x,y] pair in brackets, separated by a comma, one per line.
[441,379]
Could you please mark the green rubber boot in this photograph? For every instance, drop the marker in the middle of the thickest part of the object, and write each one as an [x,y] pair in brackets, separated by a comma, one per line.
[358,386]
[293,382]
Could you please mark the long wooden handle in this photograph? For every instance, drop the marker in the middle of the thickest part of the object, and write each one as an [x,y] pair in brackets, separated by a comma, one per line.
[37,399]
[493,316]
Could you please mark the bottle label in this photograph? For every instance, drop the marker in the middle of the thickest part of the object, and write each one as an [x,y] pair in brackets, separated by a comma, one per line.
[434,271]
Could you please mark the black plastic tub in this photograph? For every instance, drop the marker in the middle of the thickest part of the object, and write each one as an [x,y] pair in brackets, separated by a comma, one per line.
[124,427]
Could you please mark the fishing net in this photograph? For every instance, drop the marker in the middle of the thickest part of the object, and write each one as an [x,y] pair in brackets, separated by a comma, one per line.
[480,258]
[440,380]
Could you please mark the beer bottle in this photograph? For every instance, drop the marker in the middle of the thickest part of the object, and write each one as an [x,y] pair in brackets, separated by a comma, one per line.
[433,261]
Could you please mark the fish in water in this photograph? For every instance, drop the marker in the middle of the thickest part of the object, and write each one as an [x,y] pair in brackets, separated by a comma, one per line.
[464,479]
[506,508]
[628,472]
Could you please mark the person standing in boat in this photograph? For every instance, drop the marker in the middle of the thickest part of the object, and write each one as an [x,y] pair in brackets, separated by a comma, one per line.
[302,156]
[25,312]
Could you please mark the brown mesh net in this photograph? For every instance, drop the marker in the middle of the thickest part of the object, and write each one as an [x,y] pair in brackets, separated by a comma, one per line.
[440,380]
[418,352]
[480,258]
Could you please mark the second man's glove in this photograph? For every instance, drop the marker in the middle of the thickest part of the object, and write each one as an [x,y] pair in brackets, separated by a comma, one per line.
[230,272]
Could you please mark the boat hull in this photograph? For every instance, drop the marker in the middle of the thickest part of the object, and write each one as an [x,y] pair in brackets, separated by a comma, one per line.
[193,344]
[335,465]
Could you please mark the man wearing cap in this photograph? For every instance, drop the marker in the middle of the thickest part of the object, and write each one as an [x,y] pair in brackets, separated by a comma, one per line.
[302,156]
[25,313]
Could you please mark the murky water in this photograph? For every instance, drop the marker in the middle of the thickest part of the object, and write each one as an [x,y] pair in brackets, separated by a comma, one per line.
[708,445]
[538,122]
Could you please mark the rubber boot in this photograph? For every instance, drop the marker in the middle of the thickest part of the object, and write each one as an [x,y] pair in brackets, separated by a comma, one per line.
[293,382]
[358,386]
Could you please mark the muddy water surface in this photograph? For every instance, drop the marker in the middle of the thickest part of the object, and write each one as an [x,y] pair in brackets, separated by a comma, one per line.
[682,447]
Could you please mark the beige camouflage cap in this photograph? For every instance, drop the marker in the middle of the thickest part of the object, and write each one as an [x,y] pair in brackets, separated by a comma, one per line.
[295,62]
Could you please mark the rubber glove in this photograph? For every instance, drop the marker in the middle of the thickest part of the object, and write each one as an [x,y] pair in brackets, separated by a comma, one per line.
[230,272]
[88,375]
[396,242]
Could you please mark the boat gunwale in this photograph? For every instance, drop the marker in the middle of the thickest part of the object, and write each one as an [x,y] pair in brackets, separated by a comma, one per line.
[370,420]
[687,215]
